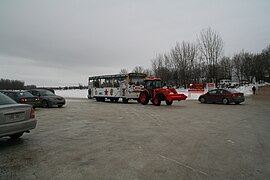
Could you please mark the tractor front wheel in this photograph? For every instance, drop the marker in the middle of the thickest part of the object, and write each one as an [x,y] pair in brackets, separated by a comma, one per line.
[144,99]
[156,101]
[169,102]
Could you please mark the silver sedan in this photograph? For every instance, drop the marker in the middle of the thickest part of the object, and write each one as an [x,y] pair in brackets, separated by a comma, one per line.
[15,119]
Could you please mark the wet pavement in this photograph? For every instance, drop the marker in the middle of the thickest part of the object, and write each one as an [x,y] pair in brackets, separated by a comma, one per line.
[188,140]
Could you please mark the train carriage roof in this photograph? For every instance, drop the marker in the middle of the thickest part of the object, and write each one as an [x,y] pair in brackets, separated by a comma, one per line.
[117,76]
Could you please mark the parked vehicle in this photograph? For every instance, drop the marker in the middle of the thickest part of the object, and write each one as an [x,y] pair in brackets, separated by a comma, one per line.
[47,98]
[113,87]
[154,92]
[15,119]
[225,96]
[23,97]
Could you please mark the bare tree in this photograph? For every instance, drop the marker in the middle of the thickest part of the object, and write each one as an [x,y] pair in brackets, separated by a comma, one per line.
[138,69]
[183,58]
[148,72]
[210,45]
[7,84]
[225,68]
[161,68]
[265,55]
[123,71]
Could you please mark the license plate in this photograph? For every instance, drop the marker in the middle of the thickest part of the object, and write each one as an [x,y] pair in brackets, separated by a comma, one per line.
[15,117]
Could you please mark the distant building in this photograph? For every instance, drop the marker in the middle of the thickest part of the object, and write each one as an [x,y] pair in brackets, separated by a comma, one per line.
[225,82]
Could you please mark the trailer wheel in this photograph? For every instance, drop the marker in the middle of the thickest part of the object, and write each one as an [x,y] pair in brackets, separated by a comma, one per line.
[144,99]
[169,102]
[125,100]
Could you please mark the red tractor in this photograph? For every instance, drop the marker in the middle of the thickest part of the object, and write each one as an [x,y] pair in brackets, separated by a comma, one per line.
[154,92]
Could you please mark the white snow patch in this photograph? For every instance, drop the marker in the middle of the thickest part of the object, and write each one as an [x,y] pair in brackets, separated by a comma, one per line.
[72,93]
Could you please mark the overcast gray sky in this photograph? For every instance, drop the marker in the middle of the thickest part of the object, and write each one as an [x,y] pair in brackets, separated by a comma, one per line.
[62,42]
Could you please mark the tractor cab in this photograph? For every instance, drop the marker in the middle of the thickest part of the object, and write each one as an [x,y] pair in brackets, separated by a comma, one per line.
[151,83]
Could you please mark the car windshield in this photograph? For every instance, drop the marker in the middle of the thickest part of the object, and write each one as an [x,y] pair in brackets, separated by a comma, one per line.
[232,91]
[5,100]
[47,93]
[24,94]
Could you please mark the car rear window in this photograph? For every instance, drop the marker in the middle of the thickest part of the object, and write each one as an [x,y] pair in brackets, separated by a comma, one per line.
[5,100]
[47,93]
[232,91]
[24,94]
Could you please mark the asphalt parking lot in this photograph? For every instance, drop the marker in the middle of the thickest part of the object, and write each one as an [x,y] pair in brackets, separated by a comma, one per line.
[188,140]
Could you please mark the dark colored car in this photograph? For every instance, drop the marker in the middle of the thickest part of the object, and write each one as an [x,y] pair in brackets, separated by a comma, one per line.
[15,119]
[225,96]
[23,97]
[48,98]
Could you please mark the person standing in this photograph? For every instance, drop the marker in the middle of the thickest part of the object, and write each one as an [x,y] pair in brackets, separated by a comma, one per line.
[254,90]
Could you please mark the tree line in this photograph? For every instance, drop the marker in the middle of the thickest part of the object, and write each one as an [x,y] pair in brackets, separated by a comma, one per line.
[204,61]
[7,84]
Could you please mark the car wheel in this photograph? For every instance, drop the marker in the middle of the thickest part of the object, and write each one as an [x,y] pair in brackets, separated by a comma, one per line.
[16,136]
[202,100]
[225,101]
[45,104]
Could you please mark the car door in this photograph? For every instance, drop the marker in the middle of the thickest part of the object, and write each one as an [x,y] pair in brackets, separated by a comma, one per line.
[211,96]
[227,95]
[219,95]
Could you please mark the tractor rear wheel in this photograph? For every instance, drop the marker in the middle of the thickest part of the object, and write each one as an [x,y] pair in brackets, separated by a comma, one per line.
[169,102]
[156,101]
[144,99]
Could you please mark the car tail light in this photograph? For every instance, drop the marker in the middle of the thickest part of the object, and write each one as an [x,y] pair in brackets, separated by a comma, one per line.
[233,95]
[23,100]
[32,114]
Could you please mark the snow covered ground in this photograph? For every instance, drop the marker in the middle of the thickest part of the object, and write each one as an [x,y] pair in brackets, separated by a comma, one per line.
[77,93]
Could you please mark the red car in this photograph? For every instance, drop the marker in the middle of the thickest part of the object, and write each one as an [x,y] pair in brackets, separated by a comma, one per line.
[225,96]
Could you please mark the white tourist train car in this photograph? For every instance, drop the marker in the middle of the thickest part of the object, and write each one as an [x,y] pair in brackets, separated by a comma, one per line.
[113,87]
